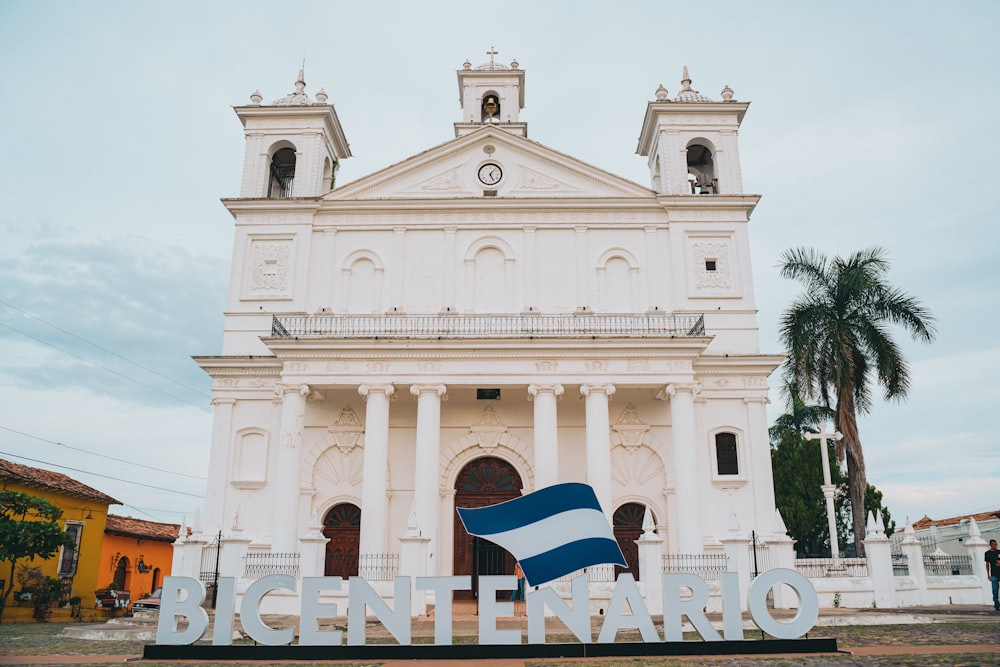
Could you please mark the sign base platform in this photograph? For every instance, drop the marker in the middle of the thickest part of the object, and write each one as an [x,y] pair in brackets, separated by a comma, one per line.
[477,651]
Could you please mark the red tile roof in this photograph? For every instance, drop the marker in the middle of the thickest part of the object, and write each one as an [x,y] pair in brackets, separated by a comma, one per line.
[51,481]
[147,530]
[927,522]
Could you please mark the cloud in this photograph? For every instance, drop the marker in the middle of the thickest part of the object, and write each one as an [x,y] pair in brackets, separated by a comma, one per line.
[154,305]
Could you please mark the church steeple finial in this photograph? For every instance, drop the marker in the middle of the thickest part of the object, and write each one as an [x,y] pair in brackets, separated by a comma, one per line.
[686,81]
[300,83]
[491,53]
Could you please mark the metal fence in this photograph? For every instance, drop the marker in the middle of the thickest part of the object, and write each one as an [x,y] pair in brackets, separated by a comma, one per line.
[900,566]
[947,565]
[499,325]
[378,567]
[257,565]
[818,568]
[759,556]
[707,566]
[928,544]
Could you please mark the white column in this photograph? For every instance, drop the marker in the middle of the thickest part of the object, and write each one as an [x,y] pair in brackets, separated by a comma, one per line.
[976,547]
[530,268]
[686,473]
[582,268]
[653,285]
[375,467]
[285,496]
[599,442]
[651,565]
[327,250]
[426,468]
[914,554]
[546,462]
[879,557]
[450,260]
[218,462]
[757,450]
[398,266]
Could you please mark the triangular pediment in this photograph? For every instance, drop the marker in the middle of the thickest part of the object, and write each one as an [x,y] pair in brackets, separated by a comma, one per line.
[453,170]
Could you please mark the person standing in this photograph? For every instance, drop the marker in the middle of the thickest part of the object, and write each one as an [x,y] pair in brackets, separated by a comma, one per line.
[993,571]
[519,573]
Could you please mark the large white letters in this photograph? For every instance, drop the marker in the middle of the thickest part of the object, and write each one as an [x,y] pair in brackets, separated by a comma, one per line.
[183,597]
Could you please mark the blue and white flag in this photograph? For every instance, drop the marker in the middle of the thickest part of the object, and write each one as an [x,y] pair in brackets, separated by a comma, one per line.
[551,532]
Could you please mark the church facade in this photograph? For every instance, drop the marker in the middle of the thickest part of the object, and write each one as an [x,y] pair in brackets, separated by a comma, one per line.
[481,320]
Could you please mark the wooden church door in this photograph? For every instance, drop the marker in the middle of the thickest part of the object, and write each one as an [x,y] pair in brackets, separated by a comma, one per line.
[484,481]
[342,525]
[627,521]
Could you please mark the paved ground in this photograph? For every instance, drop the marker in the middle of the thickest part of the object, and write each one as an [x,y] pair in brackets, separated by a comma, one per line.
[931,636]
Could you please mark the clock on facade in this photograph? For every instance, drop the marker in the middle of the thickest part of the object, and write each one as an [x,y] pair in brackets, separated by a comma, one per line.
[490,173]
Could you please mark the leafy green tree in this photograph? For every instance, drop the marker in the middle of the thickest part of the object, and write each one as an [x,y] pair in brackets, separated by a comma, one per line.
[839,344]
[29,529]
[798,473]
[873,503]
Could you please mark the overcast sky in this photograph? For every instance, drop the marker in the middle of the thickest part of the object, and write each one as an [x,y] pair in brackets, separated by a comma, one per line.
[871,124]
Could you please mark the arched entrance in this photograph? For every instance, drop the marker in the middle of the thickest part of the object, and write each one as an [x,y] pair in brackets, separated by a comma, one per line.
[627,521]
[484,481]
[342,525]
[121,574]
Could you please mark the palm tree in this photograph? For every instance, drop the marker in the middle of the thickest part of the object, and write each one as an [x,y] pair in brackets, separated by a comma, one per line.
[800,418]
[838,341]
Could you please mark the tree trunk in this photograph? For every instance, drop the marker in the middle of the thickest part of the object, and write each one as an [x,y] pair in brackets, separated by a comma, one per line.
[857,478]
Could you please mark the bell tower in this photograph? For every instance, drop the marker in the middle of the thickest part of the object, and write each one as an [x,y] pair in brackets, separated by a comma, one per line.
[691,142]
[293,145]
[491,94]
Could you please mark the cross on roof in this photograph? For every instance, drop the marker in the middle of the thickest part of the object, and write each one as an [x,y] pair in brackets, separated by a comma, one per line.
[492,52]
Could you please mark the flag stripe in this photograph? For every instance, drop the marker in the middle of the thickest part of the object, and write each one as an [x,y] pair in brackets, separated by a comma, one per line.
[551,532]
[528,509]
[569,558]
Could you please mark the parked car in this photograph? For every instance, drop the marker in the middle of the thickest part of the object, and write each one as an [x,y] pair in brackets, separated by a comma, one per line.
[149,603]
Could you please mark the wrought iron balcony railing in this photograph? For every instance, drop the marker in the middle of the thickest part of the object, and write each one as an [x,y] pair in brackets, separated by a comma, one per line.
[500,325]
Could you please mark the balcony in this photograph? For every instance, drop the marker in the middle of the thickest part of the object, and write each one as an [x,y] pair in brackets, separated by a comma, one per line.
[470,326]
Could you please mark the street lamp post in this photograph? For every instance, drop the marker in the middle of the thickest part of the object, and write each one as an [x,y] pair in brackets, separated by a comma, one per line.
[829,489]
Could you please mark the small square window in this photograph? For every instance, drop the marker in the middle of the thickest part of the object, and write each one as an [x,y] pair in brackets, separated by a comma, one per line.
[710,265]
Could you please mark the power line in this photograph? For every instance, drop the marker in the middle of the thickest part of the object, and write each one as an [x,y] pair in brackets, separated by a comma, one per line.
[97,474]
[101,366]
[103,456]
[104,349]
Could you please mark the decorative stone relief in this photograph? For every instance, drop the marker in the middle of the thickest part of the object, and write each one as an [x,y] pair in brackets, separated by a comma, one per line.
[630,427]
[449,180]
[754,382]
[638,364]
[549,366]
[270,260]
[533,180]
[597,366]
[296,367]
[429,367]
[345,433]
[488,428]
[634,467]
[337,366]
[377,367]
[337,469]
[717,251]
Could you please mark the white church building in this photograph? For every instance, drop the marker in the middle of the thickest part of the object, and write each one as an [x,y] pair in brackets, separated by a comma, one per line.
[486,318]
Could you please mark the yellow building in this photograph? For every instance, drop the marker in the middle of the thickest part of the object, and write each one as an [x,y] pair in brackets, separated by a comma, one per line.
[85,512]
